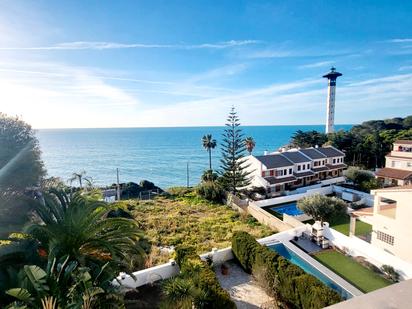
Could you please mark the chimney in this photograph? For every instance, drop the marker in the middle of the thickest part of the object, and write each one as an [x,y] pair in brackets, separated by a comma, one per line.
[265,153]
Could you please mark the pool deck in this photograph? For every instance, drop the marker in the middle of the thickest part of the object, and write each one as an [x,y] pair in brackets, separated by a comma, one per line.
[326,271]
[306,245]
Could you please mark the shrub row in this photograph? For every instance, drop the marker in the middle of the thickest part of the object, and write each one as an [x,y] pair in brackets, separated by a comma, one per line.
[203,278]
[289,283]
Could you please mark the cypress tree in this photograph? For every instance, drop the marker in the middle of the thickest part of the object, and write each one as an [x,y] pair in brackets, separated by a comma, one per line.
[233,164]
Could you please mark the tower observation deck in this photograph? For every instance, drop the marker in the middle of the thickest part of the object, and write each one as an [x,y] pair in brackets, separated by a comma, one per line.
[330,104]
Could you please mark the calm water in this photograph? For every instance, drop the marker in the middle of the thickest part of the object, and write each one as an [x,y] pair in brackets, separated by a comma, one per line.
[295,259]
[290,209]
[157,154]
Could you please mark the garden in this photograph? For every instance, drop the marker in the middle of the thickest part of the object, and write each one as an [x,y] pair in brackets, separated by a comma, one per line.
[182,217]
[366,279]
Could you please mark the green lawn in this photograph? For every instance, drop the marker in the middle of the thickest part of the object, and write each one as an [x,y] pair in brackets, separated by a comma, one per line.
[363,278]
[342,225]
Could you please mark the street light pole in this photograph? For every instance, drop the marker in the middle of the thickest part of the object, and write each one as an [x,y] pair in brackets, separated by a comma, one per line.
[118,184]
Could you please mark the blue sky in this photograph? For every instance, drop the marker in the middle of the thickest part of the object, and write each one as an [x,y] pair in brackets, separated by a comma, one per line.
[185,63]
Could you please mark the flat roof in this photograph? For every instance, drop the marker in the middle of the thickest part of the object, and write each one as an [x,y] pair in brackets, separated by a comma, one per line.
[394,296]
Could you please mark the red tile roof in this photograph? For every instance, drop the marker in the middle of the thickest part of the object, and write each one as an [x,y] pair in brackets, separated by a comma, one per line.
[403,141]
[393,173]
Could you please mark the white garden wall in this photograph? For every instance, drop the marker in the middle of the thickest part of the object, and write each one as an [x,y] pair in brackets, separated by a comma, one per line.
[171,269]
[292,198]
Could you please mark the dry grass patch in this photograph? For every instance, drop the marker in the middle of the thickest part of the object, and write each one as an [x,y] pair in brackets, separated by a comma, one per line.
[189,220]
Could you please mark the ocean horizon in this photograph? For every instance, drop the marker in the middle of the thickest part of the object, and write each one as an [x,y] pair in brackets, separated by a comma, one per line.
[160,154]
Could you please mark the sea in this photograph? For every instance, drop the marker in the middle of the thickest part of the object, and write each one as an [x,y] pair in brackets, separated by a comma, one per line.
[165,156]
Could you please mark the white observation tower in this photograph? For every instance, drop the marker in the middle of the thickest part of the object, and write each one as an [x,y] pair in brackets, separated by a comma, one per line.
[330,106]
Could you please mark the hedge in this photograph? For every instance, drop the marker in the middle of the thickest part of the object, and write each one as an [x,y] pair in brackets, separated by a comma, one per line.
[203,277]
[288,282]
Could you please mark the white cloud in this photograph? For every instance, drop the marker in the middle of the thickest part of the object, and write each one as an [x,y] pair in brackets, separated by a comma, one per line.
[85,45]
[58,95]
[316,64]
[404,40]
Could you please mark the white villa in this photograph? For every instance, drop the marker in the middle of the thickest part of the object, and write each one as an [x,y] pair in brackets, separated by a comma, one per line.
[390,219]
[398,165]
[287,170]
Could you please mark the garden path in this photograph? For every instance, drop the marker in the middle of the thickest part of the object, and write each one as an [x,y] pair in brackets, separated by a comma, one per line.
[243,288]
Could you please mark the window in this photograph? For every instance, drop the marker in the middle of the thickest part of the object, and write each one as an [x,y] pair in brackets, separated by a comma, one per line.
[272,173]
[290,171]
[279,173]
[298,167]
[385,237]
[334,161]
[285,172]
[316,163]
[308,166]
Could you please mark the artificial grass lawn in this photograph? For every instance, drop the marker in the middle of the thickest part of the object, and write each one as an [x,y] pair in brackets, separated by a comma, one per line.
[342,225]
[361,277]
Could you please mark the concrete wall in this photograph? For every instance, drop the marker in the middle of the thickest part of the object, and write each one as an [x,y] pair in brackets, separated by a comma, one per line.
[367,198]
[292,221]
[148,275]
[357,247]
[168,270]
[291,198]
[267,219]
[396,224]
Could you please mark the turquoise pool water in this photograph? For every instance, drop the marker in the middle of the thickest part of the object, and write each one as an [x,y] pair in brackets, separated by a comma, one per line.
[290,209]
[295,259]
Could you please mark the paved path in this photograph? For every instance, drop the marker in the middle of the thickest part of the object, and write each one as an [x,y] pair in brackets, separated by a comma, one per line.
[243,289]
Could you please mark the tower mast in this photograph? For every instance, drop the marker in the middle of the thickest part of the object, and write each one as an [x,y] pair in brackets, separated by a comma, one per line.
[330,104]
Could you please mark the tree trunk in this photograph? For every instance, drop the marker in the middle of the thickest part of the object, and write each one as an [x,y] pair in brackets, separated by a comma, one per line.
[210,159]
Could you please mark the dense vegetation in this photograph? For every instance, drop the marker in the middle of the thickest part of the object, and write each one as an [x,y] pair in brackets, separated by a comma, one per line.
[365,145]
[322,207]
[288,283]
[69,255]
[21,169]
[196,286]
[184,218]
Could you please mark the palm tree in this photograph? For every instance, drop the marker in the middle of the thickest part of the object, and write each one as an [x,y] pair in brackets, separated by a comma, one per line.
[250,144]
[80,176]
[78,226]
[209,143]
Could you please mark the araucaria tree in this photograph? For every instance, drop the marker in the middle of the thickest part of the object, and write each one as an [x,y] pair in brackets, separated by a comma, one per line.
[209,143]
[233,164]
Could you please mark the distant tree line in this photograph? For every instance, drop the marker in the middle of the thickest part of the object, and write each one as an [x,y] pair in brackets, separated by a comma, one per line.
[365,145]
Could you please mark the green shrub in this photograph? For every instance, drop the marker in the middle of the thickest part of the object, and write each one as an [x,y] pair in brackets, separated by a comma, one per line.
[203,278]
[211,191]
[288,282]
[390,273]
[244,246]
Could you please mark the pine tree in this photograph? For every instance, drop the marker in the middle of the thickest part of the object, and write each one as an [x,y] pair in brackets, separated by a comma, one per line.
[233,164]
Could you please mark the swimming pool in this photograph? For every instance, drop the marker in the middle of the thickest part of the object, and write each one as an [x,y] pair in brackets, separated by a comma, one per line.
[290,209]
[295,259]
